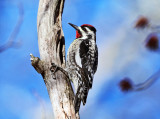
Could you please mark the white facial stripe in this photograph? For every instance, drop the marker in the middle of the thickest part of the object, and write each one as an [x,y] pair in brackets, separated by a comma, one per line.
[85,34]
[88,30]
[81,30]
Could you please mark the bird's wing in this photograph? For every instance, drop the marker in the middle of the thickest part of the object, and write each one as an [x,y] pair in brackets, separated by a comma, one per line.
[89,60]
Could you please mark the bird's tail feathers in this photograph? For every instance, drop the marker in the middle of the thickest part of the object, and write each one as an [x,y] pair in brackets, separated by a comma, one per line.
[81,95]
[77,101]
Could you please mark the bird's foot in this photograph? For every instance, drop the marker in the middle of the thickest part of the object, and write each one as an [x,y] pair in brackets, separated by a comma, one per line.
[54,68]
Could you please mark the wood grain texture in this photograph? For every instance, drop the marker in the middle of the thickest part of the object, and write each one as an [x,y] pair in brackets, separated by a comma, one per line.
[52,50]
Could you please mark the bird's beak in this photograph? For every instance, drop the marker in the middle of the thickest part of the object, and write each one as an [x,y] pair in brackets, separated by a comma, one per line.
[74,26]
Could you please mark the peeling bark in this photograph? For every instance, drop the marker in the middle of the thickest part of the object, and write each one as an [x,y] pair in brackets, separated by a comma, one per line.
[52,50]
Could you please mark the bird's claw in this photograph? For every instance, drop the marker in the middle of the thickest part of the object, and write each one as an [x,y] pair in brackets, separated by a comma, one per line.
[53,69]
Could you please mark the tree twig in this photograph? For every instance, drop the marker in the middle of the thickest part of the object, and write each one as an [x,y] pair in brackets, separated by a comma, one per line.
[146,84]
[11,41]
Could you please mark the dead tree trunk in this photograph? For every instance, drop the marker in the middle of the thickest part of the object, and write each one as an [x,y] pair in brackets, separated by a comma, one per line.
[52,50]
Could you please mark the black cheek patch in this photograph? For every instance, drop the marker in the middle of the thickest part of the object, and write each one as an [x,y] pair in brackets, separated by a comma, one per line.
[89,36]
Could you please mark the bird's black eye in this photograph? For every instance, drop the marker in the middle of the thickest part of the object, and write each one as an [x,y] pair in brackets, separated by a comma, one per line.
[84,29]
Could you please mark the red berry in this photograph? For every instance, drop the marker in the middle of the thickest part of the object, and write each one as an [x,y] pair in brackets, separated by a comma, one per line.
[125,84]
[142,22]
[152,42]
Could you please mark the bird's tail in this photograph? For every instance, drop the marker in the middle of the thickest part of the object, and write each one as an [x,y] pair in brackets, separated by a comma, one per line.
[77,103]
[81,95]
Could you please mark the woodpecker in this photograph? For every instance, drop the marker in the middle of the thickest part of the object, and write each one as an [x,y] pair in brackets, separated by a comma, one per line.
[82,62]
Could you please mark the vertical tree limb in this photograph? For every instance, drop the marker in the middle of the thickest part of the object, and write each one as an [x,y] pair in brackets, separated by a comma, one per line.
[52,50]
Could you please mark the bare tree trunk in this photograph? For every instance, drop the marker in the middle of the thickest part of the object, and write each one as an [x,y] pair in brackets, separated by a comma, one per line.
[52,50]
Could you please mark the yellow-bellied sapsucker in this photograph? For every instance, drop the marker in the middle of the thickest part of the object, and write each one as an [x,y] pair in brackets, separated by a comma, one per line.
[82,62]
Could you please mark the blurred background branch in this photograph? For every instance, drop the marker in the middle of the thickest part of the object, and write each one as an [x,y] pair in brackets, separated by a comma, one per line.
[11,43]
[42,103]
[152,44]
[126,84]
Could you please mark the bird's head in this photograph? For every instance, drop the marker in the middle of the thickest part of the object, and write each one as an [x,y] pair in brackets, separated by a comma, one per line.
[84,30]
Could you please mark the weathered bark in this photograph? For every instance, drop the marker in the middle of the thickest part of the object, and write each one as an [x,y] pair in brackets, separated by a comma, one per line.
[52,50]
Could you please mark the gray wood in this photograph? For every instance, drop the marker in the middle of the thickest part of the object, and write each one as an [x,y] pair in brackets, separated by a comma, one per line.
[52,50]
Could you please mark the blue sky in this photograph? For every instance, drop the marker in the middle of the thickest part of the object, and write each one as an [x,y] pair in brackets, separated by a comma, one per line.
[122,53]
